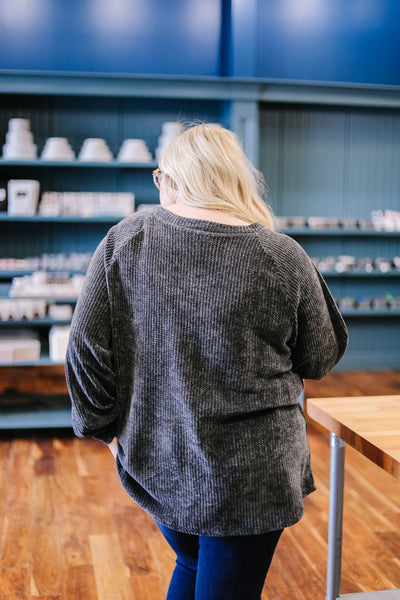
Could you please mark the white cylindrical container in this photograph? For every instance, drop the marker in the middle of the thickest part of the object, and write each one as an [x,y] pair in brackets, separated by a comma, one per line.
[17,124]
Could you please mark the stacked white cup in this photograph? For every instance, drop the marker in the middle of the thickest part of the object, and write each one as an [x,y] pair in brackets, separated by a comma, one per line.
[19,141]
[134,150]
[95,150]
[169,132]
[57,148]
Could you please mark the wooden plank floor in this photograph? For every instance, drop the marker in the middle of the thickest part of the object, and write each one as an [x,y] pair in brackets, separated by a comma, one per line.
[69,532]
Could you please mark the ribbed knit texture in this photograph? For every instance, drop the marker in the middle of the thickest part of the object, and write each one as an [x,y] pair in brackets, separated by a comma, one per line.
[189,343]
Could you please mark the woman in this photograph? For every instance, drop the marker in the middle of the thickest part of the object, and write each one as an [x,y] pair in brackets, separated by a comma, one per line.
[189,343]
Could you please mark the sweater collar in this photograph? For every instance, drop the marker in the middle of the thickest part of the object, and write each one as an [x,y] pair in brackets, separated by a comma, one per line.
[203,225]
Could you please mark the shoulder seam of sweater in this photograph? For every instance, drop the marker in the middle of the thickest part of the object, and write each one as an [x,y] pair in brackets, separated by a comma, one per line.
[117,250]
[275,267]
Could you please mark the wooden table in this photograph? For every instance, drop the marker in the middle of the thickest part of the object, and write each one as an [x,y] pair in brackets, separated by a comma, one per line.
[371,425]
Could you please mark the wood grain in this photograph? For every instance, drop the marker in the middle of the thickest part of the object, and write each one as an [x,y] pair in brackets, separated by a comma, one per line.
[111,573]
[80,582]
[370,424]
[14,583]
[47,576]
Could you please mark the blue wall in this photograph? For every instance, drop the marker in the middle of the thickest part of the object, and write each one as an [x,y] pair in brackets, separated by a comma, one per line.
[351,41]
[329,40]
[121,36]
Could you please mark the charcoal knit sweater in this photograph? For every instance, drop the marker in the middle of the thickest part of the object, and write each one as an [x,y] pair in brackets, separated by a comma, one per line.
[189,343]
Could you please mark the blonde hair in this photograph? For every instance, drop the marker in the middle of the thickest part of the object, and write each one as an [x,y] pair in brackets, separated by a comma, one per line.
[207,167]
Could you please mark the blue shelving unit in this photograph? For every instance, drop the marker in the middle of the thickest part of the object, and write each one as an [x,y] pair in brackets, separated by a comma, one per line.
[327,150]
[374,332]
[339,159]
[78,108]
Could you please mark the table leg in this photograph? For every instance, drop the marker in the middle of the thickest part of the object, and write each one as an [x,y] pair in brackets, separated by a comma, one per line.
[335,518]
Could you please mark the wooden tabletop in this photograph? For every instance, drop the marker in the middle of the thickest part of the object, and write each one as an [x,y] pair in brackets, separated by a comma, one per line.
[370,424]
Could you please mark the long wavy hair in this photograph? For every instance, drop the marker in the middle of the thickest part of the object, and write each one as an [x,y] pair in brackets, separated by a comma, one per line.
[207,167]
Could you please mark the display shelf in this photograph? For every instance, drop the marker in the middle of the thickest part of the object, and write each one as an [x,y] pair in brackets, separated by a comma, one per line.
[112,164]
[360,274]
[9,274]
[44,361]
[370,312]
[284,127]
[244,89]
[337,231]
[52,299]
[35,418]
[111,219]
[46,322]
[5,295]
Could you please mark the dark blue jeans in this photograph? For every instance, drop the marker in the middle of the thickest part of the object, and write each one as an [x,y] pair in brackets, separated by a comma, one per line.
[219,568]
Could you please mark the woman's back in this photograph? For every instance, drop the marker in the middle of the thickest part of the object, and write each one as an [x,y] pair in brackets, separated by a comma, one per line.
[204,333]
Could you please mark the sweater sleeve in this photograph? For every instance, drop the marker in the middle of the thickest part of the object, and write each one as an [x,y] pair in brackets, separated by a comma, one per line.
[89,361]
[322,337]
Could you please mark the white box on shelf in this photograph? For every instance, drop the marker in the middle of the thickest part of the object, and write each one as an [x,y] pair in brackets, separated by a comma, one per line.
[26,350]
[23,197]
[60,312]
[19,346]
[58,342]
